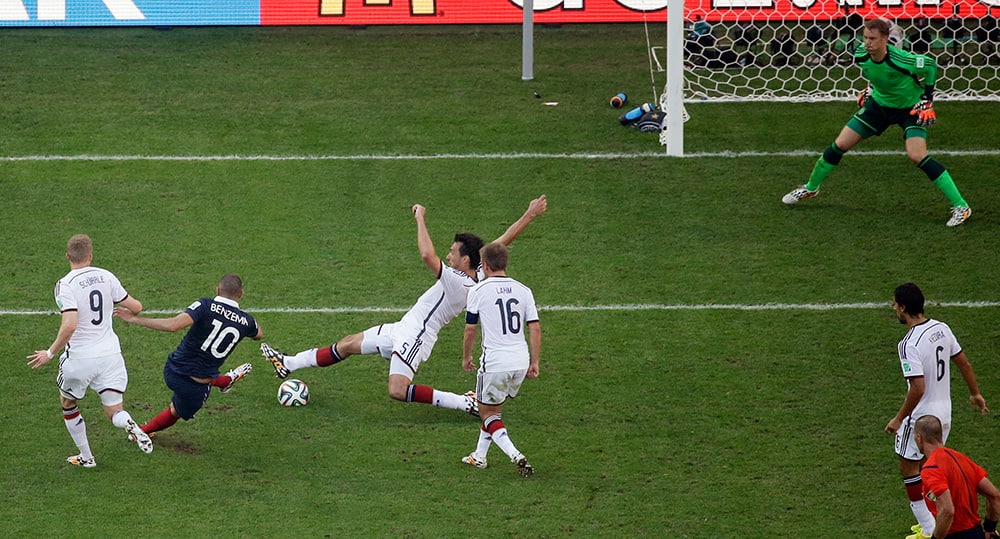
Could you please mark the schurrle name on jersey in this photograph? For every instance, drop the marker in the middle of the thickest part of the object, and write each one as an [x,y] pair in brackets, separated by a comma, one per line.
[230,315]
[90,281]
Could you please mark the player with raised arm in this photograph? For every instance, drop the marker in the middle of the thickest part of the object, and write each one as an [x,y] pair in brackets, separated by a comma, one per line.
[503,307]
[902,93]
[408,342]
[93,356]
[217,325]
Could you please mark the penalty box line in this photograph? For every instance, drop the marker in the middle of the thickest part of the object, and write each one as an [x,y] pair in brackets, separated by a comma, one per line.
[477,156]
[613,307]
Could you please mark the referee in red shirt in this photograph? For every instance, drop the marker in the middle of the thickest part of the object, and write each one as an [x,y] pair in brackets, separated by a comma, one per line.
[951,484]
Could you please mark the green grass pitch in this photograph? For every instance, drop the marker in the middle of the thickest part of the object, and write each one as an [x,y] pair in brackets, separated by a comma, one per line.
[676,420]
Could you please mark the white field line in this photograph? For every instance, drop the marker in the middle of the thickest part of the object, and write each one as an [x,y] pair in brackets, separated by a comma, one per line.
[478,156]
[622,307]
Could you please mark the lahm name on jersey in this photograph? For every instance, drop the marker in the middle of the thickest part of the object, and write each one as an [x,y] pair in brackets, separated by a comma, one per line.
[90,281]
[504,290]
[230,315]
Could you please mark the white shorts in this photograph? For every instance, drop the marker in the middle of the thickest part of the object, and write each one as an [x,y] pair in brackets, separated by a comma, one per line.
[102,374]
[493,388]
[405,348]
[906,444]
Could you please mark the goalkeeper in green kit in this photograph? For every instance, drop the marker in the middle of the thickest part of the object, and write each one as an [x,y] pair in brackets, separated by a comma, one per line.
[900,92]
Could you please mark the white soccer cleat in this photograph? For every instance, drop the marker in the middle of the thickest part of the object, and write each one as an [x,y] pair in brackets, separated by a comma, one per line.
[471,460]
[797,194]
[137,435]
[471,404]
[959,214]
[78,460]
[236,375]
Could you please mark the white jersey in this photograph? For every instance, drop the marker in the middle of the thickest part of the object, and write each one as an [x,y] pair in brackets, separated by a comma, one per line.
[92,292]
[926,351]
[503,307]
[439,304]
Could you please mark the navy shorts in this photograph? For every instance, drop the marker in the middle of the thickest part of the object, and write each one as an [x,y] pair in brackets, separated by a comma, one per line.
[874,119]
[189,396]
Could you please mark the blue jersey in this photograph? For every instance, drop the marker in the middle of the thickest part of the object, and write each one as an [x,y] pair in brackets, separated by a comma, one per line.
[219,325]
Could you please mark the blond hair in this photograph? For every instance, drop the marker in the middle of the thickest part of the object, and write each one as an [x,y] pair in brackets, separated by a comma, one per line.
[495,256]
[78,248]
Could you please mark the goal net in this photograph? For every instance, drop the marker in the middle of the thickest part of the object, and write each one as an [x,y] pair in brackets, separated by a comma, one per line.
[736,50]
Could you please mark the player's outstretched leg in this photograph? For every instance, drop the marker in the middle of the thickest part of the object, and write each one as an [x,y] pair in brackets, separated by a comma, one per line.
[824,166]
[136,434]
[277,360]
[471,404]
[236,375]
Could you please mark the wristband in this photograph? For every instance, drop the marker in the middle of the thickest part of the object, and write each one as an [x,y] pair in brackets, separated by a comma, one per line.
[48,353]
[989,526]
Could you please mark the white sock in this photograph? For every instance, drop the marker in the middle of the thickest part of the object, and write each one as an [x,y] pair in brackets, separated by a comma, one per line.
[121,418]
[445,399]
[301,360]
[77,428]
[924,516]
[503,442]
[483,447]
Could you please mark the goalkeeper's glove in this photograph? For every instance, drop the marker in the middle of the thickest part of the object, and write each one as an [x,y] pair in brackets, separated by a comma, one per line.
[864,96]
[924,111]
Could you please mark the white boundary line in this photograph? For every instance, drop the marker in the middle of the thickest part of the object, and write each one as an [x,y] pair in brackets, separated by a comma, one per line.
[622,307]
[478,156]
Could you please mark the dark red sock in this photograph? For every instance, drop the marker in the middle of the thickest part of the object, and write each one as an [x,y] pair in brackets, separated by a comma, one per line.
[163,420]
[492,425]
[424,394]
[914,488]
[222,381]
[328,356]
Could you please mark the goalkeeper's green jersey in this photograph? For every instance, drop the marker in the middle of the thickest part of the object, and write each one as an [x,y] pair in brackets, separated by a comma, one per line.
[901,79]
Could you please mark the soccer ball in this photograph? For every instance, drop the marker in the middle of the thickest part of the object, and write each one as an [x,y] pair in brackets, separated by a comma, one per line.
[293,393]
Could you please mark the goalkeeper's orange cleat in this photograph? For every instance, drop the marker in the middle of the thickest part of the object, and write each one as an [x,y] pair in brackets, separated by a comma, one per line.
[924,111]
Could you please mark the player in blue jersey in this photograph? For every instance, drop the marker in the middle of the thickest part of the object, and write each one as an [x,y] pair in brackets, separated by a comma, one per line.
[217,326]
[901,92]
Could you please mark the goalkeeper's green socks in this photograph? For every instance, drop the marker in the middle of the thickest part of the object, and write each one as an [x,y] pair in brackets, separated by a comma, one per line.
[824,166]
[942,179]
